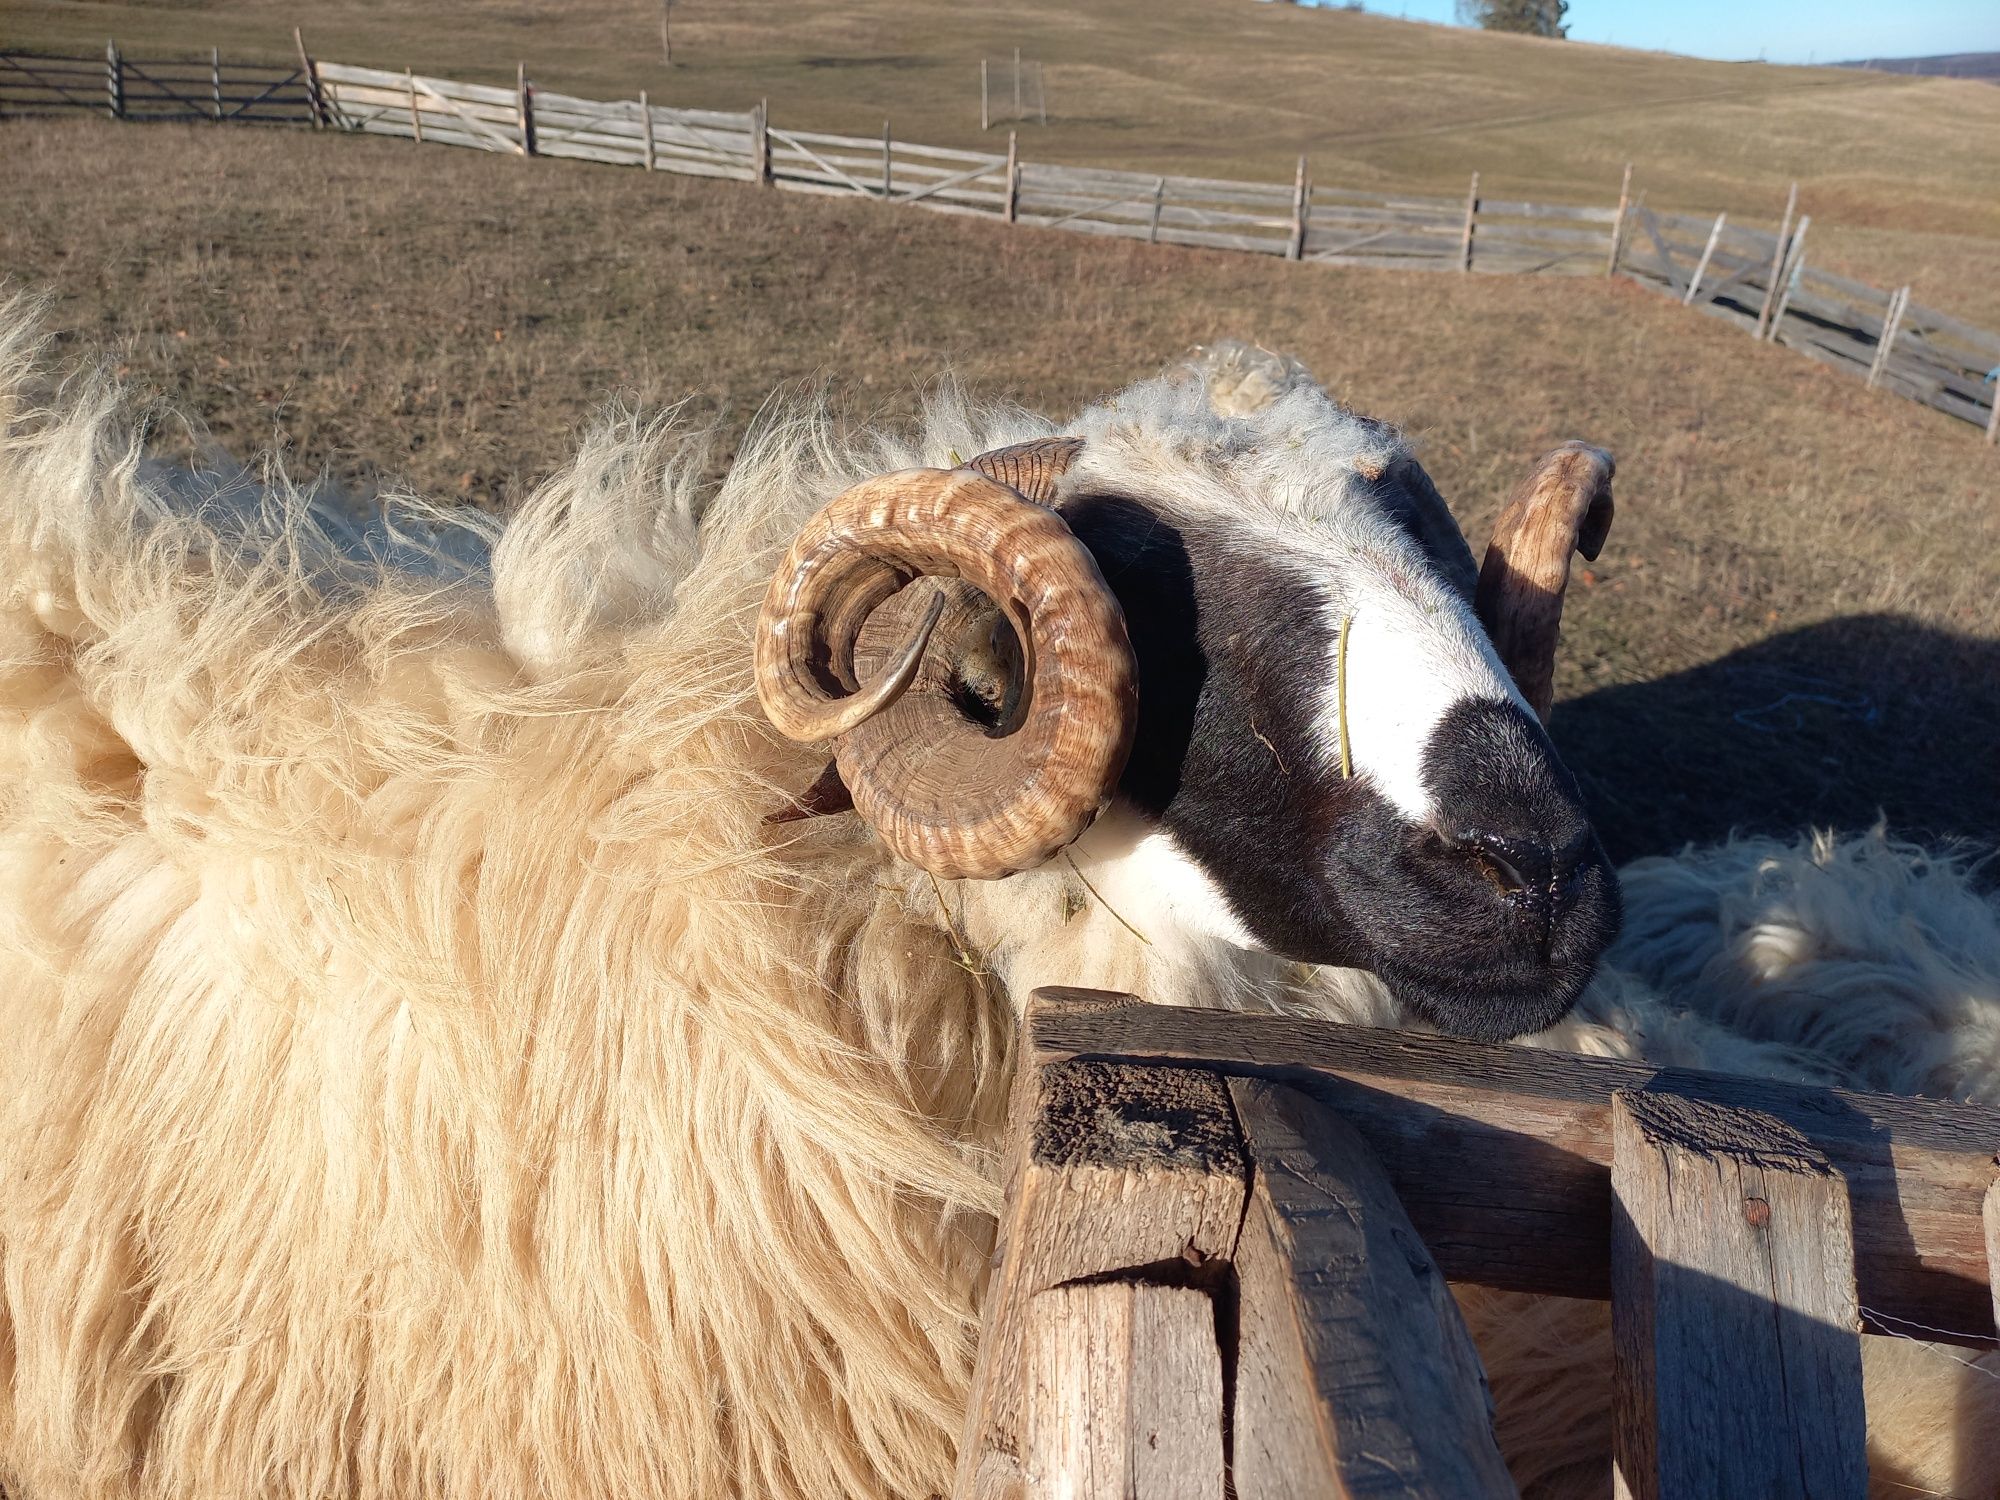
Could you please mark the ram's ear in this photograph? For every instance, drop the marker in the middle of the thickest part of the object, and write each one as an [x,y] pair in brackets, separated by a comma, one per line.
[1563,506]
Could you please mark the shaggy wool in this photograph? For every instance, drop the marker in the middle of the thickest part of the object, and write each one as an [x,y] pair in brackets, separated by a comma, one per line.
[426,1077]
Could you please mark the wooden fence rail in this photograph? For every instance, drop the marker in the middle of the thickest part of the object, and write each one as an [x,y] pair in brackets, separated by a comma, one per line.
[1222,1261]
[1761,281]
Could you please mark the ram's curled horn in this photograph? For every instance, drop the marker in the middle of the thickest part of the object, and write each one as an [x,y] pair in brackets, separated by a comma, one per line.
[957,791]
[1031,468]
[1563,506]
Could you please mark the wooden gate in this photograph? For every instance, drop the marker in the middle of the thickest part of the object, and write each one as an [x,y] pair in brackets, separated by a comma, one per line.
[1223,1265]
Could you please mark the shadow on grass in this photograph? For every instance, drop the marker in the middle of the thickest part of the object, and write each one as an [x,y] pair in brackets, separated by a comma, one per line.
[1834,725]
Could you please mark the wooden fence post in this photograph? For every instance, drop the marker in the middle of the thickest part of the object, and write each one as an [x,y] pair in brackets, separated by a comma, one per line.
[760,143]
[984,120]
[1618,224]
[646,124]
[1017,85]
[888,164]
[524,108]
[114,80]
[314,105]
[1777,261]
[1167,1229]
[1013,179]
[416,116]
[1701,266]
[1354,1371]
[1081,1204]
[1301,208]
[1892,324]
[1795,260]
[1159,202]
[1124,1392]
[1736,1330]
[1471,209]
[215,78]
[1993,435]
[1041,94]
[1991,1214]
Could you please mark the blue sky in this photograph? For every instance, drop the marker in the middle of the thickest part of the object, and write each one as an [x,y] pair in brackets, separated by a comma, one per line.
[1779,30]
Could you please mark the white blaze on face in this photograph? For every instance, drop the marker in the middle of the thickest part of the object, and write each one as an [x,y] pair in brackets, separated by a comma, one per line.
[1414,652]
[1145,876]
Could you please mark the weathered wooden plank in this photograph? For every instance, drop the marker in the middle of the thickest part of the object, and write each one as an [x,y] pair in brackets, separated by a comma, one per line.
[1386,198]
[1735,1325]
[1507,259]
[83,70]
[1200,239]
[1540,234]
[1446,260]
[1109,1169]
[1992,1217]
[621,155]
[1385,243]
[1890,325]
[834,142]
[1138,207]
[1388,213]
[1701,266]
[1301,212]
[1355,1375]
[1471,224]
[1778,252]
[469,93]
[1668,267]
[1501,1154]
[1275,200]
[1124,1393]
[1509,210]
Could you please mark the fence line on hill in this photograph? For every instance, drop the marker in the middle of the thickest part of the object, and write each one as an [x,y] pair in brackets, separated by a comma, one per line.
[1757,279]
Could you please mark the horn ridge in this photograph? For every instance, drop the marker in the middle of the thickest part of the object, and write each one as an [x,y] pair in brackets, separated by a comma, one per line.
[1032,468]
[1563,506]
[951,795]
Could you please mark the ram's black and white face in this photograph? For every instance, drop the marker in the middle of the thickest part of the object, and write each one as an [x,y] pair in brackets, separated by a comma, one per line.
[1452,856]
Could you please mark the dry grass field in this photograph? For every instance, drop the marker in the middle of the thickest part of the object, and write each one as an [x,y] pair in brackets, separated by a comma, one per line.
[1898,172]
[1794,620]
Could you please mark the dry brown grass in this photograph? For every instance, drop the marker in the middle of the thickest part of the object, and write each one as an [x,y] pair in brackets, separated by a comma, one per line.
[1219,87]
[1208,84]
[452,317]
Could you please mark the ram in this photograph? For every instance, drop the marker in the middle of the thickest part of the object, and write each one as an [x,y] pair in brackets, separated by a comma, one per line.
[459,1042]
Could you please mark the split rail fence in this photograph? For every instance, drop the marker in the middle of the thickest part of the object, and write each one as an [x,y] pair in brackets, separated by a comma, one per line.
[1759,279]
[1223,1263]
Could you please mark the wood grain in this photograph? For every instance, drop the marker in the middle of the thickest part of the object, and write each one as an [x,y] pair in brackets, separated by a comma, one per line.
[1110,1169]
[1733,1311]
[1355,1375]
[1992,1218]
[1124,1393]
[1501,1154]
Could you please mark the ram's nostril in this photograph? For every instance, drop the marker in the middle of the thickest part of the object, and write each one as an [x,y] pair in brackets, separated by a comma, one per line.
[1505,877]
[1511,864]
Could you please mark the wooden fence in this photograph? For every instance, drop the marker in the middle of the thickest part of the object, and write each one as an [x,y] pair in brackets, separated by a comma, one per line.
[1222,1265]
[1759,279]
[126,88]
[1766,285]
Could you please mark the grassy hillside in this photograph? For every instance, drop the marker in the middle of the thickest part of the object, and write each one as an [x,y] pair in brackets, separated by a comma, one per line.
[1224,87]
[453,317]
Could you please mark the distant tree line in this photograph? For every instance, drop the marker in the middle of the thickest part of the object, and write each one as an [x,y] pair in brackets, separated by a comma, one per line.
[1530,17]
